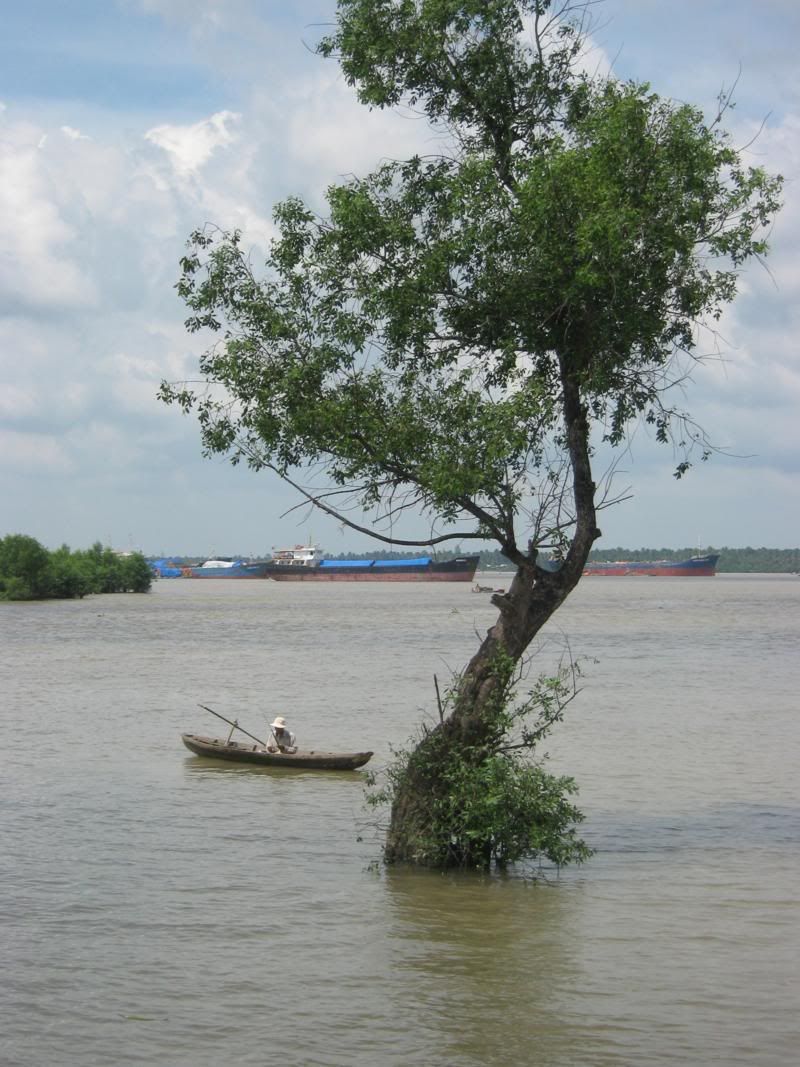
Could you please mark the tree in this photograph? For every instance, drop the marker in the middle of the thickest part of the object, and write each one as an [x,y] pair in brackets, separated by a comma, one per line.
[136,575]
[104,566]
[29,572]
[450,337]
[70,574]
[24,568]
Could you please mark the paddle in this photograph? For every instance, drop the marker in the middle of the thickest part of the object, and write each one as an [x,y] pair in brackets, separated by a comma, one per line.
[236,725]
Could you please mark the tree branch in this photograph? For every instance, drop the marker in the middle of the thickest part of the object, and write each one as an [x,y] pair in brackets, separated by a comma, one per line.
[371,532]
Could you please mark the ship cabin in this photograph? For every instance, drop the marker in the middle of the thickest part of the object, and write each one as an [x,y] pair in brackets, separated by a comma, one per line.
[299,556]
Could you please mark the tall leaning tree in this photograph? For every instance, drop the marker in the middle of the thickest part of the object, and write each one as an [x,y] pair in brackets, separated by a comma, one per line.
[462,326]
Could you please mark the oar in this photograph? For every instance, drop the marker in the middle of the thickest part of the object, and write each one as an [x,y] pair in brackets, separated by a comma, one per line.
[235,725]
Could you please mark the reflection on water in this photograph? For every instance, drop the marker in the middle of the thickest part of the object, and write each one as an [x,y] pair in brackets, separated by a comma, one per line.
[163,908]
[485,962]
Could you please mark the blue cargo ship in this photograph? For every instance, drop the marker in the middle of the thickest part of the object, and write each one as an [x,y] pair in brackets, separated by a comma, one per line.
[306,563]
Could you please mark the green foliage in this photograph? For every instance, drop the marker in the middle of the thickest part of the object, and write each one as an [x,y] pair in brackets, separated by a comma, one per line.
[137,577]
[29,572]
[112,573]
[416,340]
[491,804]
[70,575]
[24,568]
[759,560]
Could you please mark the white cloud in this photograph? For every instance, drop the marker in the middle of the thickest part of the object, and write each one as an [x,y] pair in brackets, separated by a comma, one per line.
[29,452]
[119,448]
[39,249]
[73,134]
[16,402]
[132,380]
[190,147]
[330,134]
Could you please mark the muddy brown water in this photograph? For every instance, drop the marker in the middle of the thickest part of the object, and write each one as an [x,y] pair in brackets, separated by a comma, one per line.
[158,908]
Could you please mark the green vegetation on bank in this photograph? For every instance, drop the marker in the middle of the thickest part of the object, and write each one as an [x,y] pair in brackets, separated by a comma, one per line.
[28,571]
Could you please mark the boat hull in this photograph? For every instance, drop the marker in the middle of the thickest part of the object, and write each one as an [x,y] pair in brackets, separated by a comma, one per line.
[237,752]
[244,570]
[696,567]
[456,570]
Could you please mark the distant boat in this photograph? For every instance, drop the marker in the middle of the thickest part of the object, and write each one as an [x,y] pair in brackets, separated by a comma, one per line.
[695,567]
[165,568]
[306,563]
[239,752]
[224,568]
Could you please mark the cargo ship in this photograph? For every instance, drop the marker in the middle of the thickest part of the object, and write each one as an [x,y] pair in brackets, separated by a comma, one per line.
[694,567]
[306,563]
[223,568]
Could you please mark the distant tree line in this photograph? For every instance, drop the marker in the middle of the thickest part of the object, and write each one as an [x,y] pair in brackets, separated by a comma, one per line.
[28,571]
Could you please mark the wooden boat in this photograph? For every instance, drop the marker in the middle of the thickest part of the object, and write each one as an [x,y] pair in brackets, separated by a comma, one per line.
[240,752]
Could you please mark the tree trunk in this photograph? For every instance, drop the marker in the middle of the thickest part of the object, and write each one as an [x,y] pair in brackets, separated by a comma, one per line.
[534,596]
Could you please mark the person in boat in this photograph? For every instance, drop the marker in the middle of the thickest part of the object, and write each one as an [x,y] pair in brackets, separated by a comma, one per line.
[282,739]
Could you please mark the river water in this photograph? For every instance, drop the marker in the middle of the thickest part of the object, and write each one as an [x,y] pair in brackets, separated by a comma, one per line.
[162,909]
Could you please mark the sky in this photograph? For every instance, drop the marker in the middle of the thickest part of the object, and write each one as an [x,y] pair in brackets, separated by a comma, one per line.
[126,124]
